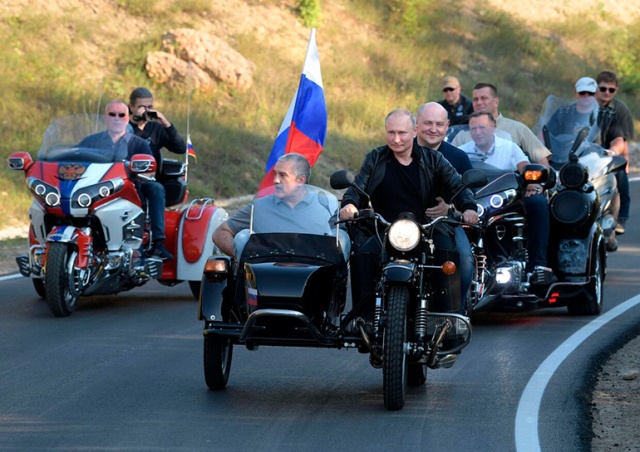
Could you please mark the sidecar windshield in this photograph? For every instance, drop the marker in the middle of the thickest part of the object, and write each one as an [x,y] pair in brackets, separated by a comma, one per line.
[81,138]
[294,219]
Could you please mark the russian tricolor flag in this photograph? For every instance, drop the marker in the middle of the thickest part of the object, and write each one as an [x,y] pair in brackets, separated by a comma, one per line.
[305,125]
[190,151]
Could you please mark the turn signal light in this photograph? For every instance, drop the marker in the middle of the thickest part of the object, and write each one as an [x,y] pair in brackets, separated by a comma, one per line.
[215,265]
[533,175]
[448,268]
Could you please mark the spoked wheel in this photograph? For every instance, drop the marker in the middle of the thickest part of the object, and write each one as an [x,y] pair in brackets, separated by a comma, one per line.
[593,304]
[218,352]
[195,288]
[417,375]
[394,359]
[62,282]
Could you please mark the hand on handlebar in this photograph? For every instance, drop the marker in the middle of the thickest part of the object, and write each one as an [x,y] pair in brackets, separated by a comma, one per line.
[533,189]
[470,216]
[348,212]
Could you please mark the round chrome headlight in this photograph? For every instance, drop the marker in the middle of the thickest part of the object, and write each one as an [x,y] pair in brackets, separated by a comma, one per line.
[404,235]
[84,200]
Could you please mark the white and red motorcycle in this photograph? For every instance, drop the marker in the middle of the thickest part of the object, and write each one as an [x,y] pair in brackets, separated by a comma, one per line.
[89,230]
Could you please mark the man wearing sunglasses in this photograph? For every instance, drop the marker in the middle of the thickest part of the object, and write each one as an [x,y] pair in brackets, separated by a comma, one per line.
[124,144]
[458,106]
[606,97]
[117,140]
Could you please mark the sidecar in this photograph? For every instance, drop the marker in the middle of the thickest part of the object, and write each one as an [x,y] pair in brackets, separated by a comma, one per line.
[288,288]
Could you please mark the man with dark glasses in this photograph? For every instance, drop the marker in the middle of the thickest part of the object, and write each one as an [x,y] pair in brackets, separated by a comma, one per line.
[458,106]
[124,144]
[606,97]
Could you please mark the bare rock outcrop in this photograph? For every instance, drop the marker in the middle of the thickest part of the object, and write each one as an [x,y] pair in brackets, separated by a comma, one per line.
[190,56]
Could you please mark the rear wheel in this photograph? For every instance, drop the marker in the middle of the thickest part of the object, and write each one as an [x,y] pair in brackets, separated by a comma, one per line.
[593,304]
[195,288]
[394,359]
[60,280]
[218,352]
[38,285]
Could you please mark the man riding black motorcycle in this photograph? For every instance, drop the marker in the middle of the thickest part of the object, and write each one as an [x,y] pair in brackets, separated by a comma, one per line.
[506,155]
[396,178]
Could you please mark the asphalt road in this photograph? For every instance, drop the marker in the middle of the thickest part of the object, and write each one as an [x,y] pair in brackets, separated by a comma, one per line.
[125,372]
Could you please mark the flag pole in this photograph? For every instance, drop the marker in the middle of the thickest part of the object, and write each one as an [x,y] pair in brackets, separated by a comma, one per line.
[189,92]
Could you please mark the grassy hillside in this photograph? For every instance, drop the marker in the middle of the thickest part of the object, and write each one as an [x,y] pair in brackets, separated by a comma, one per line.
[71,56]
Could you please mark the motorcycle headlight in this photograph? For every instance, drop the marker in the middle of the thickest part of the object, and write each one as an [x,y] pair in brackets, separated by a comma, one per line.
[573,175]
[404,235]
[86,196]
[46,193]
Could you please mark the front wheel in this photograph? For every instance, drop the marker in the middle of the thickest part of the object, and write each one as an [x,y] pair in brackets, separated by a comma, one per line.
[394,359]
[60,280]
[218,352]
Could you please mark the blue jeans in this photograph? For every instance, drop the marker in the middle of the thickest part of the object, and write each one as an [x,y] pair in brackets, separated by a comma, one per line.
[466,262]
[622,180]
[539,229]
[154,195]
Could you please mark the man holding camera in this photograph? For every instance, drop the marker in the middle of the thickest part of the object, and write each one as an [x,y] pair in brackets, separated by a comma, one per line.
[153,127]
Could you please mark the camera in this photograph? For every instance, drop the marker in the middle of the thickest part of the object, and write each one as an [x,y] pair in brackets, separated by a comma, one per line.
[149,116]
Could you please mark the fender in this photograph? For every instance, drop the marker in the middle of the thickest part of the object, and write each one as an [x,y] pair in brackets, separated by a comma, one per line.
[399,272]
[213,291]
[571,252]
[193,241]
[82,238]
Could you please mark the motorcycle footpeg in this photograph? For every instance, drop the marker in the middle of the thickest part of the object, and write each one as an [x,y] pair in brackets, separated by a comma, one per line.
[154,267]
[23,265]
[542,276]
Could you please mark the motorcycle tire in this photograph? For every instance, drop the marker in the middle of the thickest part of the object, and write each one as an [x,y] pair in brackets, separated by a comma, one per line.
[38,285]
[195,288]
[218,353]
[394,360]
[60,279]
[593,303]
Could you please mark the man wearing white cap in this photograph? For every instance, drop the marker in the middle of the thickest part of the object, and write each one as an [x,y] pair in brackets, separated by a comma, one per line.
[458,106]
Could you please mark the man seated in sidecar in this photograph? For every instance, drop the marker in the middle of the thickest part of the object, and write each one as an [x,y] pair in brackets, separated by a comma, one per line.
[291,208]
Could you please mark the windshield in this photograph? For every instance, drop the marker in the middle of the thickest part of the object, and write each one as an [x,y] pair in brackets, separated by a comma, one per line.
[561,123]
[293,219]
[460,136]
[82,137]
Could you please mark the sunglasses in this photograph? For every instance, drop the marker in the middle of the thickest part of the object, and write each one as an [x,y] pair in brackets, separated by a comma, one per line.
[119,115]
[447,90]
[604,89]
[585,93]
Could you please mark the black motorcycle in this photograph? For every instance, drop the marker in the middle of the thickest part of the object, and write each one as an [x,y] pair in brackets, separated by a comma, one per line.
[290,288]
[572,138]
[576,249]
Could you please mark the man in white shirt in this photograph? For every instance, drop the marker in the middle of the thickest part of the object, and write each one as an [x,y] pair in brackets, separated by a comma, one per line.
[501,153]
[508,156]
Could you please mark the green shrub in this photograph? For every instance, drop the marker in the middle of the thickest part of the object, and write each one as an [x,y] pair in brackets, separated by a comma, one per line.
[309,11]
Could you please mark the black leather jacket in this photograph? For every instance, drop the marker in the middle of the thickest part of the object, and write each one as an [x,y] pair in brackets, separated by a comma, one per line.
[437,178]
